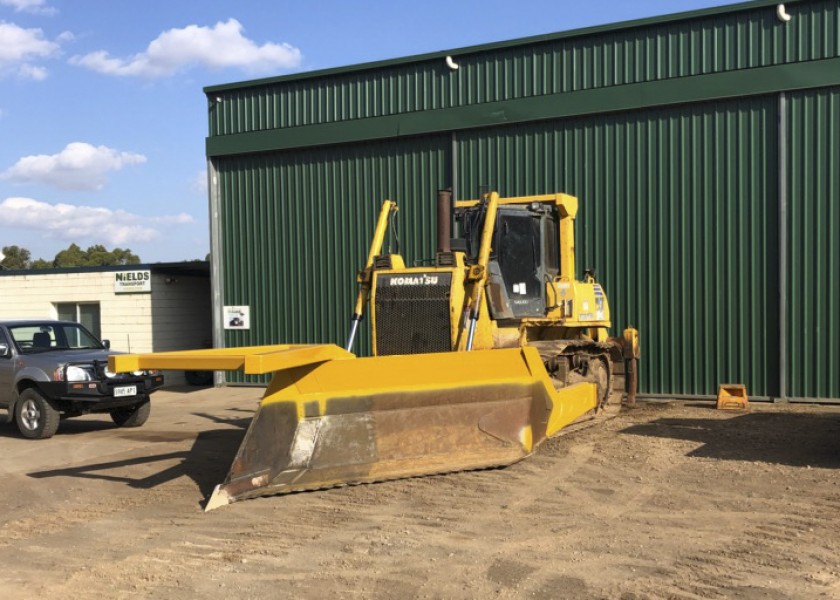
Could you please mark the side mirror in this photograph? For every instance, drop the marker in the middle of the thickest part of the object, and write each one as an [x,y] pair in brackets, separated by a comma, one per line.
[4,350]
[107,344]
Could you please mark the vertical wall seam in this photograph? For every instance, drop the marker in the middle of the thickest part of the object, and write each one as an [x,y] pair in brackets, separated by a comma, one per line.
[783,198]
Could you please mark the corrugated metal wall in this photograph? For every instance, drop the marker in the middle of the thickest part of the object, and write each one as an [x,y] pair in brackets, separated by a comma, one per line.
[813,315]
[713,44]
[678,220]
[680,204]
[296,228]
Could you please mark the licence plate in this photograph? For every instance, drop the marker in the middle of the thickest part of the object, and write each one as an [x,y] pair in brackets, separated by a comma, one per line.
[126,390]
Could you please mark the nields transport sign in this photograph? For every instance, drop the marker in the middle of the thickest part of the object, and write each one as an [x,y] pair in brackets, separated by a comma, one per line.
[132,282]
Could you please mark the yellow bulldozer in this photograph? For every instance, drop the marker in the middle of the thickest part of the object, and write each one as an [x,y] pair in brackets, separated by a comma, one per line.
[477,359]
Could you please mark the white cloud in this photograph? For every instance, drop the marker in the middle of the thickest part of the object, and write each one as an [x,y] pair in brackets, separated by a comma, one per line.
[199,184]
[17,43]
[19,47]
[27,71]
[175,50]
[80,166]
[36,7]
[89,223]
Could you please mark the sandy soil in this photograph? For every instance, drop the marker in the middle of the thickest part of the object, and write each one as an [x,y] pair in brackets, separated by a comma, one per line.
[669,500]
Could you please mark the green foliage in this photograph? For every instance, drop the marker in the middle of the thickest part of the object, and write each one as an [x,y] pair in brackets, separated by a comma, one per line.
[72,256]
[41,264]
[16,258]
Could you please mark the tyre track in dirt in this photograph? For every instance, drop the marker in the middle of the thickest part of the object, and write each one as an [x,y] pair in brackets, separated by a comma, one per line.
[661,502]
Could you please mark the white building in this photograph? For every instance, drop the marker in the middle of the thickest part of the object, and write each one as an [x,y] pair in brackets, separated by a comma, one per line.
[139,308]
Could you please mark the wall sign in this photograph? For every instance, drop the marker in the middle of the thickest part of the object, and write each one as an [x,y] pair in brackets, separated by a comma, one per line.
[237,317]
[132,282]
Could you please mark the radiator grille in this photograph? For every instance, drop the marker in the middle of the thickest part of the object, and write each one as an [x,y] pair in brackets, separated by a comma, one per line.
[412,313]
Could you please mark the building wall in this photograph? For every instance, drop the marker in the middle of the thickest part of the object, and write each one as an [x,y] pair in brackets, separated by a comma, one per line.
[705,148]
[125,318]
[813,210]
[180,312]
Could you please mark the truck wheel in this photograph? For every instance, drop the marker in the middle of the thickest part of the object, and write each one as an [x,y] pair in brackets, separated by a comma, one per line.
[35,416]
[132,416]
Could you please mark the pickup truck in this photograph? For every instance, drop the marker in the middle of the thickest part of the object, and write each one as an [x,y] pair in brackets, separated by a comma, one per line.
[51,370]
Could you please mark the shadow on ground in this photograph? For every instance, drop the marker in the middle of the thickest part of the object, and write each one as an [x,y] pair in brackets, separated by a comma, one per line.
[72,426]
[206,462]
[795,439]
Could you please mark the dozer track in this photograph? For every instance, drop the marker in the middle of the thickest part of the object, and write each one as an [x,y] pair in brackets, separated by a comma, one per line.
[573,361]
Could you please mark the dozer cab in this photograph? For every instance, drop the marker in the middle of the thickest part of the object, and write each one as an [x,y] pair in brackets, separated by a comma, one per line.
[477,359]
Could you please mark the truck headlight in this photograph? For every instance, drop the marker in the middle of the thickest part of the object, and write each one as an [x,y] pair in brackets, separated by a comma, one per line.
[78,374]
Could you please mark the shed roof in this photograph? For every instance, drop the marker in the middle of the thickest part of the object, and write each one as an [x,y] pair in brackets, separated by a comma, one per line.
[195,268]
[536,39]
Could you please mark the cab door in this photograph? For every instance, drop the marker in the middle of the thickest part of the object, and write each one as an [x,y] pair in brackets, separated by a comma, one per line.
[526,250]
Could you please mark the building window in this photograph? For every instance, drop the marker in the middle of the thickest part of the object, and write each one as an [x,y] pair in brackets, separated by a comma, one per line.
[87,314]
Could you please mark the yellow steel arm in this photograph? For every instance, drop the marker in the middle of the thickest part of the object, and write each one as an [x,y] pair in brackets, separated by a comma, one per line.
[478,272]
[375,249]
[364,277]
[253,360]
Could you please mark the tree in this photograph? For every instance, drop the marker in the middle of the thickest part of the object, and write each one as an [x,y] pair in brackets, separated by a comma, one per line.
[41,264]
[72,256]
[124,257]
[95,256]
[16,257]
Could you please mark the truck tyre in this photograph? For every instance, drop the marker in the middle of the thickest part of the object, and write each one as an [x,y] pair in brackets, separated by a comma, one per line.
[36,418]
[132,416]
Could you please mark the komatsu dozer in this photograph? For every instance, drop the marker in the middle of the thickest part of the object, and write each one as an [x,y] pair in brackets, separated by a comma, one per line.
[478,357]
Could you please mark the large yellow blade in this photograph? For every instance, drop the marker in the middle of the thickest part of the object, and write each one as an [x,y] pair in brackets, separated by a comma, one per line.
[371,419]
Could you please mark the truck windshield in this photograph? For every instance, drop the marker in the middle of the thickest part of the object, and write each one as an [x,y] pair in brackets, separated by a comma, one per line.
[43,337]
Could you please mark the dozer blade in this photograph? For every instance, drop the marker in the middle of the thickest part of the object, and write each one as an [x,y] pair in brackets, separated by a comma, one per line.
[329,418]
[362,420]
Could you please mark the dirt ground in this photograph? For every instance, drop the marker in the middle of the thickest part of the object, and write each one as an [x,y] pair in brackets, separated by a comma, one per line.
[669,500]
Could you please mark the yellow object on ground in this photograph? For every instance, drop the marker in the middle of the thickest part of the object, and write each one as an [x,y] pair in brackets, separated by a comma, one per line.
[732,396]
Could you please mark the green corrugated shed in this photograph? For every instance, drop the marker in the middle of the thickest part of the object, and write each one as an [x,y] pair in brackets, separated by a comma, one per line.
[813,285]
[704,146]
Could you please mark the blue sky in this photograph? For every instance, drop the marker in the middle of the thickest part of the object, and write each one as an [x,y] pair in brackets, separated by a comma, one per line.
[103,118]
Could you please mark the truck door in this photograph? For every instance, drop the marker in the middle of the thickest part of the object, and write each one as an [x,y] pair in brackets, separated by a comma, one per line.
[7,370]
